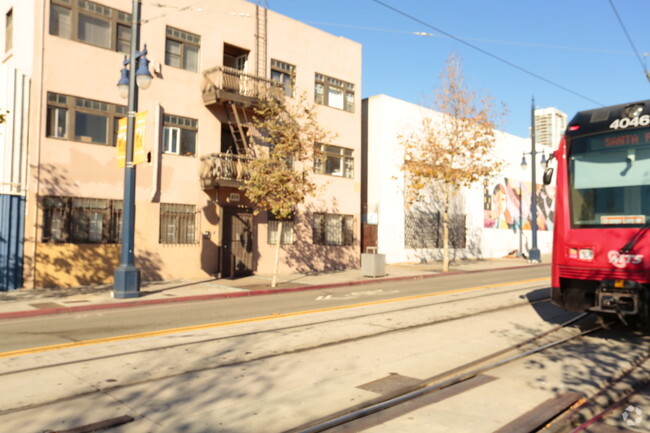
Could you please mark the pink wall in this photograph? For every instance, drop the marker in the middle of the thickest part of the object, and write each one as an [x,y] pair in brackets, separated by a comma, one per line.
[61,167]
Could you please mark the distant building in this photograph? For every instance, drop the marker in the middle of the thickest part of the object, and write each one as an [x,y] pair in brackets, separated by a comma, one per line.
[490,219]
[61,189]
[550,124]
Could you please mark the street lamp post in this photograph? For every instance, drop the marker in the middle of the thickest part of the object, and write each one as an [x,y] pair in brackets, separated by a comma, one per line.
[127,275]
[534,254]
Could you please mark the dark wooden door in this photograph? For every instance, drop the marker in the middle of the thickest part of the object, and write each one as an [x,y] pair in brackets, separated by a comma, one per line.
[237,259]
[368,236]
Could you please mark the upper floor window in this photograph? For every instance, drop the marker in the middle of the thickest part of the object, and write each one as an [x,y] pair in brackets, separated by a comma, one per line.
[81,220]
[82,119]
[179,135]
[334,93]
[182,49]
[334,160]
[9,30]
[285,74]
[91,23]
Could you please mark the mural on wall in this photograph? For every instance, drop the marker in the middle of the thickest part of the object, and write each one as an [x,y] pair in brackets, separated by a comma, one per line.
[503,208]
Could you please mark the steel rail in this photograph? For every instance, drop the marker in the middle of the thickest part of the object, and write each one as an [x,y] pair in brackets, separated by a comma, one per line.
[432,384]
[564,421]
[274,355]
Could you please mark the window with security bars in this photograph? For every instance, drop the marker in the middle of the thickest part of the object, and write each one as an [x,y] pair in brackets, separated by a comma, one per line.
[424,230]
[91,23]
[287,230]
[334,93]
[177,223]
[182,49]
[81,220]
[82,119]
[333,229]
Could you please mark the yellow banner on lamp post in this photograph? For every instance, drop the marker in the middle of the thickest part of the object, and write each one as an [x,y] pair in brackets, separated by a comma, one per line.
[139,154]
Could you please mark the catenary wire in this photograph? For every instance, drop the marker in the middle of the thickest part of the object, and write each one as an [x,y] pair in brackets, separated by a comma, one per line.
[487,53]
[494,41]
[175,10]
[629,38]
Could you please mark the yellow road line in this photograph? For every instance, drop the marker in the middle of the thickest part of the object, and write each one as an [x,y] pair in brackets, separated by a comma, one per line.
[118,338]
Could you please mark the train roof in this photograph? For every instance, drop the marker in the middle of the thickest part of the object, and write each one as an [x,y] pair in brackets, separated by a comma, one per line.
[600,119]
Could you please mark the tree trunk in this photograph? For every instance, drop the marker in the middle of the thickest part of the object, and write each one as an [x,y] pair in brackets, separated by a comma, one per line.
[445,232]
[278,239]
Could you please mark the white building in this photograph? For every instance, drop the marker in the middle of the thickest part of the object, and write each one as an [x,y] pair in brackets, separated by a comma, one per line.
[487,216]
[550,124]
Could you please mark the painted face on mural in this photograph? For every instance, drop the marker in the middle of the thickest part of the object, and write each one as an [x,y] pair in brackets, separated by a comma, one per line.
[509,205]
[499,200]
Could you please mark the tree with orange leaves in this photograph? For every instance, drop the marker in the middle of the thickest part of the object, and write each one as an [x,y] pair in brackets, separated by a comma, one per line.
[452,151]
[286,130]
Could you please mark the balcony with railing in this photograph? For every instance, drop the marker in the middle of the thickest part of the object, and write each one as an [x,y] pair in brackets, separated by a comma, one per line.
[224,170]
[224,84]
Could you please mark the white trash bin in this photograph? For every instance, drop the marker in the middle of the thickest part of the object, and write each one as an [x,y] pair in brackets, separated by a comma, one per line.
[372,263]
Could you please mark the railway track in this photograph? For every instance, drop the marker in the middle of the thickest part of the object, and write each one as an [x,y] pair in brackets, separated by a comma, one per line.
[357,419]
[242,360]
[589,415]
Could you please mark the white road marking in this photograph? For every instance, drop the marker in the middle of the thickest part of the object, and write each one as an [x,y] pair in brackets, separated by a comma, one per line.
[354,295]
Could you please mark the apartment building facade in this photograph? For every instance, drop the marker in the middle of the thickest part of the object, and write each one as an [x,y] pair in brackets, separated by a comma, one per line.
[490,219]
[211,62]
[550,124]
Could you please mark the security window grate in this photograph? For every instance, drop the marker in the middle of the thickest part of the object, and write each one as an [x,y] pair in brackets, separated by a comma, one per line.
[177,223]
[423,229]
[81,220]
[333,229]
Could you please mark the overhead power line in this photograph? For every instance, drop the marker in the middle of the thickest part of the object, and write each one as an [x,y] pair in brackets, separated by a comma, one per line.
[176,9]
[627,34]
[487,53]
[493,41]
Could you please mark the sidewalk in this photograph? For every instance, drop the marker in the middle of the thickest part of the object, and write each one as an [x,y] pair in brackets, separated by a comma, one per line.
[36,302]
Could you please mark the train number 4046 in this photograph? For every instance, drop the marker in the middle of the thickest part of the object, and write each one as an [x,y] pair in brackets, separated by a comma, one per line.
[626,122]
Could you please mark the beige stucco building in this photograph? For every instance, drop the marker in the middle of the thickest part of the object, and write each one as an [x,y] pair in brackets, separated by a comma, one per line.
[62,60]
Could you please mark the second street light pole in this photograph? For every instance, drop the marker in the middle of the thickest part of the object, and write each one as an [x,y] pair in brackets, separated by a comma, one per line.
[533,254]
[127,275]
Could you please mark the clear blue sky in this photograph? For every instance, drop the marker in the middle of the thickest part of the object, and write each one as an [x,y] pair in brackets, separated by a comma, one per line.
[577,44]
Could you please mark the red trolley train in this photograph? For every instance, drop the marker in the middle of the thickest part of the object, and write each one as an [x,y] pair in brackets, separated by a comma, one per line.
[601,249]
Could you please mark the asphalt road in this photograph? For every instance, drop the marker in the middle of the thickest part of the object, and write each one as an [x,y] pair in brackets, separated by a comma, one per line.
[272,363]
[57,329]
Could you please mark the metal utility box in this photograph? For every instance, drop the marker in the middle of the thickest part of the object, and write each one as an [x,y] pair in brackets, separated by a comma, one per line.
[373,264]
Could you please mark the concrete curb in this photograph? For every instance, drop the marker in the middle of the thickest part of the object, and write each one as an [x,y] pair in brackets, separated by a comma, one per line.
[142,302]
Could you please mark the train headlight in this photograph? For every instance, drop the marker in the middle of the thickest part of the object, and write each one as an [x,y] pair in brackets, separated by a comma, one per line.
[586,254]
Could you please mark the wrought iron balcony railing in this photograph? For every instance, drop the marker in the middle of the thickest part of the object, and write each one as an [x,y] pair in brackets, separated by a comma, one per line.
[224,169]
[223,84]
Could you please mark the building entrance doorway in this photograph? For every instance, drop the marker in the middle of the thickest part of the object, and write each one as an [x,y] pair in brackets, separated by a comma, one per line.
[237,258]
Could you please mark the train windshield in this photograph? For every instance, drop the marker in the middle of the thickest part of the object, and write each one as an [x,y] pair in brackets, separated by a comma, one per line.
[610,179]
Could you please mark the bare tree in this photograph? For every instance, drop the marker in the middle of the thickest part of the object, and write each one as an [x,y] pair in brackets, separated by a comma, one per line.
[455,150]
[286,130]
